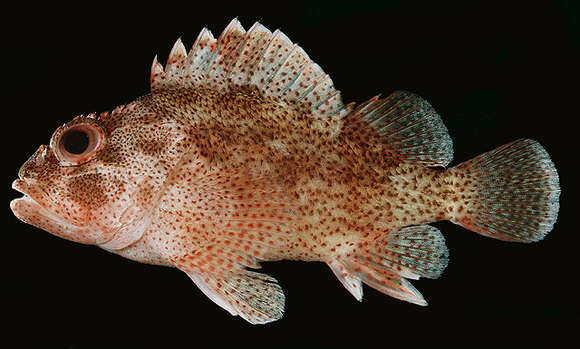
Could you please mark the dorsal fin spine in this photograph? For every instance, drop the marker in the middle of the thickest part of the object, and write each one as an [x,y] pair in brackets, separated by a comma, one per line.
[328,81]
[330,110]
[213,52]
[233,57]
[242,71]
[274,75]
[277,33]
[291,83]
[225,43]
[200,45]
[176,56]
[268,62]
[196,43]
[312,85]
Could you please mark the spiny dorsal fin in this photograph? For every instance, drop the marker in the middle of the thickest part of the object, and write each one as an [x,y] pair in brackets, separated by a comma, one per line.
[258,58]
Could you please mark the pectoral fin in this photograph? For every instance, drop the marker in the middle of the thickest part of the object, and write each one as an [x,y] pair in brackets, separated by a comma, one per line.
[256,297]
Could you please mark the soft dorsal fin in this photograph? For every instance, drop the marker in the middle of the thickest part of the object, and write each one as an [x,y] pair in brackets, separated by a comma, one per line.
[408,125]
[258,58]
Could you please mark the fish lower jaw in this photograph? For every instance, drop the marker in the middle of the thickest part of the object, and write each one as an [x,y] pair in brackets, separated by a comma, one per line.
[24,204]
[26,209]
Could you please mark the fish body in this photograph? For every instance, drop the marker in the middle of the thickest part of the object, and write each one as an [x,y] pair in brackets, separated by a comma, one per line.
[243,152]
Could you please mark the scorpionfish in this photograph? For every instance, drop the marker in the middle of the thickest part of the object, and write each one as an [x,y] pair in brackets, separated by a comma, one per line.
[243,152]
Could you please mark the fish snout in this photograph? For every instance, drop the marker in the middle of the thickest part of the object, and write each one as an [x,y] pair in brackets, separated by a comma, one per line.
[34,164]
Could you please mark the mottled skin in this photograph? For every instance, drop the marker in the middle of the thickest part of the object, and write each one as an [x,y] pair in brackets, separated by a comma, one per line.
[338,198]
[243,152]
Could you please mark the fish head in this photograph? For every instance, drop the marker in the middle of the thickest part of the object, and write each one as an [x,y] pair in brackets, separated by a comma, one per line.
[97,181]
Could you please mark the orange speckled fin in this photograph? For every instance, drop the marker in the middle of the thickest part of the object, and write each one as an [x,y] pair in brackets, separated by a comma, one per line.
[410,252]
[409,127]
[385,281]
[349,281]
[510,193]
[258,58]
[255,297]
[218,269]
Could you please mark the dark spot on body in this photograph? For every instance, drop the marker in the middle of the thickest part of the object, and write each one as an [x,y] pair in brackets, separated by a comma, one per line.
[88,190]
[113,154]
[151,147]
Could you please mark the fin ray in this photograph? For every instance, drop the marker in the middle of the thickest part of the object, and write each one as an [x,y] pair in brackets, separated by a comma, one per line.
[510,193]
[410,252]
[218,269]
[268,62]
[349,281]
[255,297]
[409,127]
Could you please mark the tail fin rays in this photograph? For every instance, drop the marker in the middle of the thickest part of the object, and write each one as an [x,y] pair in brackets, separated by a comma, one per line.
[510,193]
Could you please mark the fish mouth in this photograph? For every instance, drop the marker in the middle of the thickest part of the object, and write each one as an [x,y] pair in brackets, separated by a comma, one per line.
[30,211]
[18,204]
[27,199]
[27,208]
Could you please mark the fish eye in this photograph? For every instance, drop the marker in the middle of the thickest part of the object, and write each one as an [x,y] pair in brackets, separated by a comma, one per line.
[75,141]
[78,141]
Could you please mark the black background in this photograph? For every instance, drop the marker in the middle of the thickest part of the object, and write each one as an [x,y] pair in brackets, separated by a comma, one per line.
[494,71]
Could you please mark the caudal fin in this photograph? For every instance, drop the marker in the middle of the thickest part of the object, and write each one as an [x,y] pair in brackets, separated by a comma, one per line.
[510,193]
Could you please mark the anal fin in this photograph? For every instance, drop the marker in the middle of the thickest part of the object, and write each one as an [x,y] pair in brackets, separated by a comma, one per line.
[384,264]
[381,279]
[351,282]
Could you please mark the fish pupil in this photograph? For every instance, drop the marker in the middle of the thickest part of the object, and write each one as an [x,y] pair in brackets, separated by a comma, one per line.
[76,141]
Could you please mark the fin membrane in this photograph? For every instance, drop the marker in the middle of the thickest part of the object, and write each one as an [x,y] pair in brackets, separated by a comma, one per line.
[410,252]
[259,59]
[510,193]
[409,127]
[350,281]
[218,270]
[255,297]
